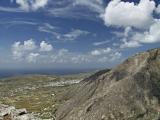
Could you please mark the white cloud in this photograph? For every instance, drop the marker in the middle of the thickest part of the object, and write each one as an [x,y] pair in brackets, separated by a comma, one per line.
[9,9]
[105,55]
[61,56]
[136,39]
[29,51]
[19,49]
[153,35]
[69,36]
[49,26]
[28,5]
[126,14]
[75,8]
[158,9]
[45,47]
[32,53]
[110,57]
[115,56]
[130,44]
[127,31]
[29,45]
[64,56]
[74,34]
[94,5]
[150,36]
[32,57]
[101,51]
[101,43]
[80,59]
[62,52]
[95,52]
[39,4]
[16,51]
[23,4]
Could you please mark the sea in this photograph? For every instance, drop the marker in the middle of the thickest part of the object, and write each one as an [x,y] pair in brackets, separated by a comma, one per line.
[12,73]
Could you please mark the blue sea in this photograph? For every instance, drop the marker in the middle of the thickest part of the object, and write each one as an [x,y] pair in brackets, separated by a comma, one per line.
[11,73]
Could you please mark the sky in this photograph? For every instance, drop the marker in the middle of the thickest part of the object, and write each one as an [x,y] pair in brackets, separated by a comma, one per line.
[76,34]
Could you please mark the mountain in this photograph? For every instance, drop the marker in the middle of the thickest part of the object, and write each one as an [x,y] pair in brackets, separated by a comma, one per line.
[130,91]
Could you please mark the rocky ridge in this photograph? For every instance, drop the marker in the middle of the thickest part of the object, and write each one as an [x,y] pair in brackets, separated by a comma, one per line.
[131,91]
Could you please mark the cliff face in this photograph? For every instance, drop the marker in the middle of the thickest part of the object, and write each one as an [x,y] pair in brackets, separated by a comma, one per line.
[131,91]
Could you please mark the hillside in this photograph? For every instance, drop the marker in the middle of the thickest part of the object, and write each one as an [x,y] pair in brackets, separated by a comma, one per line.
[38,94]
[131,91]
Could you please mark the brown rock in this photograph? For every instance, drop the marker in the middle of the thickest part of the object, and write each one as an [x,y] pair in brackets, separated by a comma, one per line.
[131,91]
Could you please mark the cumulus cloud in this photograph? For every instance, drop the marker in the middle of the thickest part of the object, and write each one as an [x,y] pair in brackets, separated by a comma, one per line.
[100,51]
[140,24]
[153,35]
[28,5]
[105,55]
[29,45]
[124,14]
[19,49]
[33,53]
[39,4]
[32,57]
[111,57]
[23,4]
[16,51]
[45,47]
[80,59]
[136,39]
[29,51]
[65,56]
[130,44]
[158,9]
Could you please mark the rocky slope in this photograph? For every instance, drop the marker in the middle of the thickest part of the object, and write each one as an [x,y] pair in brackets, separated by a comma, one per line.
[40,95]
[11,113]
[131,91]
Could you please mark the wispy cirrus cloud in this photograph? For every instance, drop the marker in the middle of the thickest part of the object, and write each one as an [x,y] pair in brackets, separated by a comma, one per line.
[15,22]
[93,5]
[63,8]
[10,9]
[75,8]
[101,43]
[9,23]
[72,35]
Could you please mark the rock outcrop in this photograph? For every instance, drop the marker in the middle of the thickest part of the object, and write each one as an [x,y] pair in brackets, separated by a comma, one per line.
[131,91]
[11,113]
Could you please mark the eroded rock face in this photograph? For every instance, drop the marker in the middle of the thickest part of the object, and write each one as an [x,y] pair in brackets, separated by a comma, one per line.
[11,113]
[131,91]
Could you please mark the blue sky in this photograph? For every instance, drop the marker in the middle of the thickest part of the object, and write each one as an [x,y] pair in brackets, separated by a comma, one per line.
[75,33]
